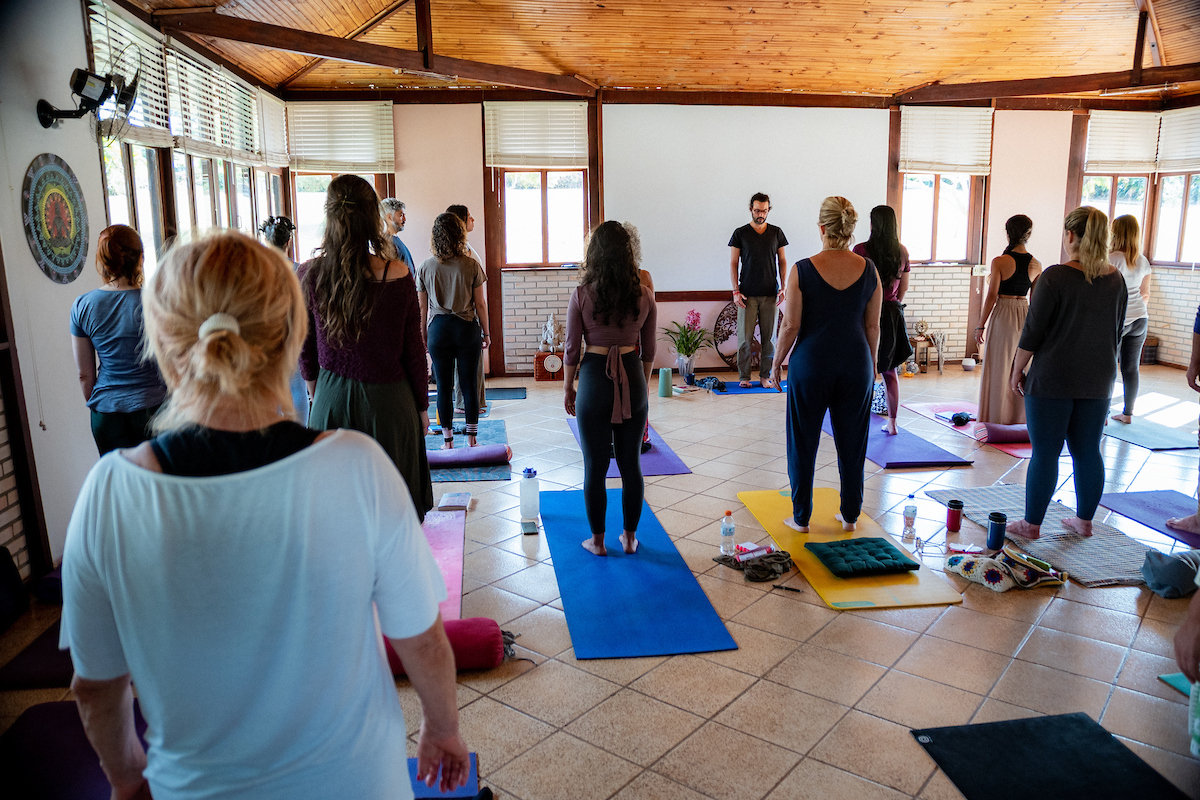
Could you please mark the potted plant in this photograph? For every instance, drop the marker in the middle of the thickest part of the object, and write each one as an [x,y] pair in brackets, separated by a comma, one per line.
[688,339]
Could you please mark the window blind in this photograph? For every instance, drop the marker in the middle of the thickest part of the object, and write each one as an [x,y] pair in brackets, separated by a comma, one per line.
[341,137]
[273,128]
[120,46]
[943,139]
[1121,141]
[1179,140]
[536,134]
[212,113]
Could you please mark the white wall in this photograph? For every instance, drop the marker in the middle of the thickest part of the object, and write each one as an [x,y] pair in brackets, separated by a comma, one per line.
[40,43]
[1030,153]
[684,176]
[439,163]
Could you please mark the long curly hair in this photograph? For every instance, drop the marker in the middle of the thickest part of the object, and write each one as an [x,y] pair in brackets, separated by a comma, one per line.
[883,246]
[610,268]
[338,282]
[449,237]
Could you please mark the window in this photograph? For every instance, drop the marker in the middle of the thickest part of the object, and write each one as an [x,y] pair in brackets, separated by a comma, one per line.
[1128,198]
[147,201]
[183,194]
[1177,228]
[244,204]
[939,218]
[223,219]
[117,183]
[262,199]
[545,215]
[310,213]
[277,195]
[202,183]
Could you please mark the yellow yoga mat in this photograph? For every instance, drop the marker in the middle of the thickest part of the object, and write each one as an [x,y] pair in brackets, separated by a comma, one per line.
[922,587]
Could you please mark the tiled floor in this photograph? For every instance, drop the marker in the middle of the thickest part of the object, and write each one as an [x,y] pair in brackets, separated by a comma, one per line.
[815,703]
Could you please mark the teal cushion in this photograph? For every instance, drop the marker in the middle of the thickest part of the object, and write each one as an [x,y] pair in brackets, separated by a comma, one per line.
[854,558]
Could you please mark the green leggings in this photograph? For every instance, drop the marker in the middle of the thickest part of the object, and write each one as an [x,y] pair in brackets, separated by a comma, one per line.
[116,429]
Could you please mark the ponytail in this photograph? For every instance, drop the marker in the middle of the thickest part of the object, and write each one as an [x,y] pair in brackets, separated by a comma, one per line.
[1090,225]
[838,217]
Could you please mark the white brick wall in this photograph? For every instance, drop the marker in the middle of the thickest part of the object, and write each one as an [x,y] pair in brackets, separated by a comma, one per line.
[1174,293]
[12,530]
[941,296]
[530,295]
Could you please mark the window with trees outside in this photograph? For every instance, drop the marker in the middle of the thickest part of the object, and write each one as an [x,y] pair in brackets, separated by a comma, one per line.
[939,218]
[1117,195]
[1177,227]
[133,194]
[545,216]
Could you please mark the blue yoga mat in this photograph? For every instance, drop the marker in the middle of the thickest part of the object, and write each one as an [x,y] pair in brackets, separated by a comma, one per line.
[1153,509]
[619,606]
[1151,435]
[420,790]
[756,387]
[904,450]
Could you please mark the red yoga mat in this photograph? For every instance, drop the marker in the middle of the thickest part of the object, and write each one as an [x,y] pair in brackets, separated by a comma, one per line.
[976,430]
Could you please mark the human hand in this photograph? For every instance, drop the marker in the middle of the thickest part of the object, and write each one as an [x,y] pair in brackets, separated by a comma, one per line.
[1016,382]
[780,297]
[449,754]
[777,377]
[569,400]
[739,299]
[134,791]
[979,336]
[1192,374]
[487,341]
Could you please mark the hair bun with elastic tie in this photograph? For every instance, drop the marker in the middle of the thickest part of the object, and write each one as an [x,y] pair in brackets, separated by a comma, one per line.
[219,322]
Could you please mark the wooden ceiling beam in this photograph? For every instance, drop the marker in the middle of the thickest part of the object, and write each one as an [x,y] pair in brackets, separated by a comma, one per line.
[1139,48]
[220,26]
[1070,84]
[1157,56]
[424,31]
[362,30]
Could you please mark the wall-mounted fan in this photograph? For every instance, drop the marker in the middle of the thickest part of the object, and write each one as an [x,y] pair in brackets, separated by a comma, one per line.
[120,86]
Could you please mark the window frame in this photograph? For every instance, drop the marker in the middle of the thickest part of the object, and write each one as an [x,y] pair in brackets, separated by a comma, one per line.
[500,172]
[383,183]
[975,218]
[1151,233]
[1148,207]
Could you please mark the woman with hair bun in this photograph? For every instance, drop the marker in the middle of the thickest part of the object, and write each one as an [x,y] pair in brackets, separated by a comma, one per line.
[364,359]
[832,317]
[1014,273]
[1074,329]
[107,323]
[1135,268]
[239,567]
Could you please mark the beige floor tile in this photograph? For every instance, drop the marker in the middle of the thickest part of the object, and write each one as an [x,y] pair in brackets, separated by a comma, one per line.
[827,674]
[491,529]
[727,597]
[1156,637]
[491,564]
[954,664]
[716,469]
[1147,719]
[696,763]
[410,703]
[555,692]
[1140,673]
[782,716]
[1173,611]
[652,786]
[485,680]
[919,703]
[1179,770]
[784,616]
[543,630]
[693,684]
[912,619]
[497,604]
[1076,654]
[940,787]
[812,780]
[498,733]
[994,710]
[563,766]
[533,547]
[659,496]
[1126,599]
[635,727]
[680,523]
[1025,606]
[698,555]
[1051,691]
[865,639]
[877,750]
[1090,621]
[621,671]
[757,652]
[537,582]
[976,629]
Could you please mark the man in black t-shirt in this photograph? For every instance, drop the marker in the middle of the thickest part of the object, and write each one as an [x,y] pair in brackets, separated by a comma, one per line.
[758,287]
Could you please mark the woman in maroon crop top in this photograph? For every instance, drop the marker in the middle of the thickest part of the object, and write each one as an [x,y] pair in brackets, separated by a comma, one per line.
[364,358]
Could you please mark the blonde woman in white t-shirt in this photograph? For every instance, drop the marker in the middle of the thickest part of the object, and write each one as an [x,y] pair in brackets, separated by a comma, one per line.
[1127,256]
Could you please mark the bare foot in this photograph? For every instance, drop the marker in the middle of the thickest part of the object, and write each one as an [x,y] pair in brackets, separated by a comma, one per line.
[447,444]
[889,427]
[1026,530]
[629,542]
[791,523]
[1190,524]
[1081,526]
[472,442]
[767,383]
[846,526]
[744,384]
[595,546]
[1126,418]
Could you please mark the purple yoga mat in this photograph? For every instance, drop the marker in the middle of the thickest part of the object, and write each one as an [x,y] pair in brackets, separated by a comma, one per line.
[1152,509]
[904,450]
[659,460]
[485,455]
[41,665]
[1006,434]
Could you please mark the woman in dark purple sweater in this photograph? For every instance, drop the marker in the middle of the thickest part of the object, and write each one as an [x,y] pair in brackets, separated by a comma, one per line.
[364,359]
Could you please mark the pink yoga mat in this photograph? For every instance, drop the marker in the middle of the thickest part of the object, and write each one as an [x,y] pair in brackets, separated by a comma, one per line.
[976,430]
[445,531]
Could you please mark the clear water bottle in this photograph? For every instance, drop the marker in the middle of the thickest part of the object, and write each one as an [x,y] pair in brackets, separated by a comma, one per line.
[727,546]
[1194,719]
[530,505]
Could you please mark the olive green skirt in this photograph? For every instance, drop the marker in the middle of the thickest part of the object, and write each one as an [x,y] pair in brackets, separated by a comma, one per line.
[388,414]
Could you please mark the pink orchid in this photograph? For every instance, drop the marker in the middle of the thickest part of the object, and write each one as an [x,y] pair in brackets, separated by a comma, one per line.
[693,319]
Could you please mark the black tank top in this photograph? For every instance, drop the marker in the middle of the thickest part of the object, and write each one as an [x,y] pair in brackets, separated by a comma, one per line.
[1018,285]
[199,452]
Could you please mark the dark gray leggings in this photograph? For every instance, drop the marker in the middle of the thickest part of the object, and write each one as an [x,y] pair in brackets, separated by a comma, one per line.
[1133,336]
[598,436]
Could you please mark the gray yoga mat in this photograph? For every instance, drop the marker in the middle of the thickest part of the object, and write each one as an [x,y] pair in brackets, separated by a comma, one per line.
[1152,436]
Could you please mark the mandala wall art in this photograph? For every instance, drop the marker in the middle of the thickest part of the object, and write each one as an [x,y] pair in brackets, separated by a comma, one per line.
[55,218]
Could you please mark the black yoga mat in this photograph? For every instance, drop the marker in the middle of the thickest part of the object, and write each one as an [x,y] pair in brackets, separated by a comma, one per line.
[41,665]
[1067,757]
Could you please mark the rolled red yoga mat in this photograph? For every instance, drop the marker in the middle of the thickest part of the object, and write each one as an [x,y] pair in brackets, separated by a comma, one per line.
[477,644]
[485,455]
[1006,434]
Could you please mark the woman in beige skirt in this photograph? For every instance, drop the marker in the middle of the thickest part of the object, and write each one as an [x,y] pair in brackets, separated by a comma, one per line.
[1012,277]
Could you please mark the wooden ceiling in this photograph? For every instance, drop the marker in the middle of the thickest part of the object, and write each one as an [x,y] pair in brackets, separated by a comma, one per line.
[872,47]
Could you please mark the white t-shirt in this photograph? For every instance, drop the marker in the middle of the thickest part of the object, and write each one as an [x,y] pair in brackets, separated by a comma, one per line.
[1136,309]
[242,607]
